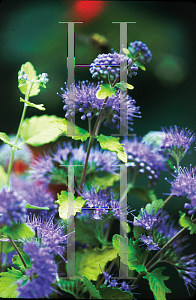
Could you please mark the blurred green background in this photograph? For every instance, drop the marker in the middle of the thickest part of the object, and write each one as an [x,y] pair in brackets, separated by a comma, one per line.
[165,92]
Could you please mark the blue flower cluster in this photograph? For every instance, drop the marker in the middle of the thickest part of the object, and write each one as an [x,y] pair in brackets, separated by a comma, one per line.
[185,185]
[46,168]
[145,219]
[186,267]
[23,76]
[100,201]
[144,159]
[114,283]
[82,98]
[12,207]
[34,194]
[108,66]
[140,52]
[51,236]
[174,138]
[43,78]
[41,274]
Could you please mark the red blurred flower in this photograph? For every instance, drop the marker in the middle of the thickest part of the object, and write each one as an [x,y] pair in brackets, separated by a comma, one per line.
[87,10]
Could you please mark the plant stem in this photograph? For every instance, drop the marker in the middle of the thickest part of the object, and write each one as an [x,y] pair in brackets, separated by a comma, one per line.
[19,254]
[168,198]
[17,135]
[91,140]
[13,149]
[108,229]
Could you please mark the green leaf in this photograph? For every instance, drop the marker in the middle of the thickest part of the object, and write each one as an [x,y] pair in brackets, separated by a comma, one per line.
[18,263]
[6,140]
[114,293]
[88,260]
[112,144]
[36,207]
[184,221]
[3,177]
[37,131]
[140,65]
[8,284]
[61,124]
[133,257]
[86,232]
[156,283]
[157,204]
[38,106]
[63,205]
[124,85]
[102,182]
[75,287]
[143,194]
[18,231]
[91,288]
[6,245]
[105,90]
[24,88]
[137,231]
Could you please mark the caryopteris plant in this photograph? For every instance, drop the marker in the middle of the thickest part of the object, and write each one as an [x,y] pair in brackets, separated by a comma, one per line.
[35,193]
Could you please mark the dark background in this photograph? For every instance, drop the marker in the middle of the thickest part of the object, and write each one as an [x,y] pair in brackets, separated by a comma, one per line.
[165,92]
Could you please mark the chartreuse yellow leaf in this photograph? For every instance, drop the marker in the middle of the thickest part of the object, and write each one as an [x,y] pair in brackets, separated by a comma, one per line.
[8,286]
[73,130]
[105,90]
[63,200]
[88,260]
[38,106]
[124,85]
[112,144]
[186,222]
[37,131]
[5,138]
[3,177]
